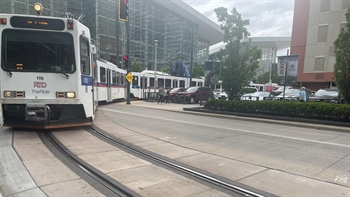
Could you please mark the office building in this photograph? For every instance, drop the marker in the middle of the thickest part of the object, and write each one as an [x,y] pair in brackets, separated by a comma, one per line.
[183,34]
[316,25]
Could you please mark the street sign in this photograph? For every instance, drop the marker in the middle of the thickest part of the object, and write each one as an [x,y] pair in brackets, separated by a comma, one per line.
[129,77]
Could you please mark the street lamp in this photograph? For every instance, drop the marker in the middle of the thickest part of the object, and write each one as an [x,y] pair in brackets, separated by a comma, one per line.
[155,68]
[272,54]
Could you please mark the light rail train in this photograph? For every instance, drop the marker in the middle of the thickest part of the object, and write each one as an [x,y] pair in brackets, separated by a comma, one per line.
[46,78]
[49,77]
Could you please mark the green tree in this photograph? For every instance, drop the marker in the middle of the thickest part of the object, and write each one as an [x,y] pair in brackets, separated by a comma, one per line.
[239,60]
[197,71]
[165,69]
[264,78]
[136,66]
[342,57]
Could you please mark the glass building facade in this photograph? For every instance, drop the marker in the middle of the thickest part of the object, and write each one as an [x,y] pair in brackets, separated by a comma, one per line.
[177,36]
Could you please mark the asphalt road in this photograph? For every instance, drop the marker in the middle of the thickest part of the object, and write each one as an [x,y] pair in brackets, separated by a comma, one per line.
[316,159]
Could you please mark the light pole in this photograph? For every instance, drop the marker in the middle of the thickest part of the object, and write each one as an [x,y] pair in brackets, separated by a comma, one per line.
[155,68]
[272,54]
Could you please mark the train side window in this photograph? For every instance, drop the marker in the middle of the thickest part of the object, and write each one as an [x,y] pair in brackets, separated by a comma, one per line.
[103,78]
[168,83]
[84,56]
[114,77]
[135,81]
[118,78]
[143,82]
[182,83]
[193,83]
[175,85]
[151,81]
[160,82]
[122,79]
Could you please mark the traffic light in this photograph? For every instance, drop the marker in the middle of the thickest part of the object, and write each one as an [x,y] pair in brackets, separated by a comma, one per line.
[123,10]
[126,61]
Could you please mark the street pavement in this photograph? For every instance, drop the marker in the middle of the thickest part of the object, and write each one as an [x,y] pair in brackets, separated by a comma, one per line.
[17,181]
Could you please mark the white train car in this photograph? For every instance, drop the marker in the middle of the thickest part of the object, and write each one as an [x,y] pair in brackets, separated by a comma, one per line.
[143,83]
[109,82]
[46,71]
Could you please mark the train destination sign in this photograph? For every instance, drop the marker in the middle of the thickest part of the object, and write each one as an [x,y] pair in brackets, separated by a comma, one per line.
[37,23]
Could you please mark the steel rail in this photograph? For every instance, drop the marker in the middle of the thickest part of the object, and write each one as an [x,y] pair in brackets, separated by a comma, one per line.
[113,140]
[103,183]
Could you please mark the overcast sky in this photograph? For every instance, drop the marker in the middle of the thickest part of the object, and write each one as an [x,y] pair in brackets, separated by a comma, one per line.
[268,18]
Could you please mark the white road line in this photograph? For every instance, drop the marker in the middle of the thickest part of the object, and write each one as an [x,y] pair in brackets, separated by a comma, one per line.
[232,129]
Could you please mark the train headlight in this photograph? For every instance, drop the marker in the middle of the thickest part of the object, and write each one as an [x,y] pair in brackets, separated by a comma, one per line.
[8,94]
[70,94]
[13,94]
[38,8]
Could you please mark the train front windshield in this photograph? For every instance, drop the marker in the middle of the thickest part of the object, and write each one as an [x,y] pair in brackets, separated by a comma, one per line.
[37,51]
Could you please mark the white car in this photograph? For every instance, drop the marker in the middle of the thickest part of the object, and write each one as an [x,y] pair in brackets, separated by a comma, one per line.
[257,96]
[220,95]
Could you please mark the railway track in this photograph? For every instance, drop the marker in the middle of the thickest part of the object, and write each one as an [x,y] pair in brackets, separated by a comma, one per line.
[94,177]
[110,187]
[227,186]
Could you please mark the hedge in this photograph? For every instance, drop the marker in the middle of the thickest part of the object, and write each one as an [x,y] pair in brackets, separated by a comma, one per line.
[313,110]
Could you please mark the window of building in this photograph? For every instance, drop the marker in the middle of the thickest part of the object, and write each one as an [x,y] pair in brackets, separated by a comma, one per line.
[319,63]
[325,5]
[322,33]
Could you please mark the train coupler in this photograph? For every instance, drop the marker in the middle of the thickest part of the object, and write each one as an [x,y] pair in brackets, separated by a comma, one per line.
[37,112]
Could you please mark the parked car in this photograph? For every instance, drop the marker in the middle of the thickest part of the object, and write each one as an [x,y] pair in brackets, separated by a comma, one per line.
[279,90]
[219,94]
[195,94]
[290,95]
[325,95]
[257,96]
[173,92]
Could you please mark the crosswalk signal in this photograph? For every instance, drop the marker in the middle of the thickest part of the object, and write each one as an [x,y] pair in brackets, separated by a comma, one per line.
[123,10]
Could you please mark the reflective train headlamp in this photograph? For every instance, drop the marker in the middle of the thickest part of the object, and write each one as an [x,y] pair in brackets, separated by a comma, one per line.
[65,94]
[38,8]
[13,94]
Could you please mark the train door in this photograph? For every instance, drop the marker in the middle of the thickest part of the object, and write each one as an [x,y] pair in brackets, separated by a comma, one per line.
[109,88]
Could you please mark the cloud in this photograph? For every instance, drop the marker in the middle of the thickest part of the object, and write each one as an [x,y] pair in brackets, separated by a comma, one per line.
[268,18]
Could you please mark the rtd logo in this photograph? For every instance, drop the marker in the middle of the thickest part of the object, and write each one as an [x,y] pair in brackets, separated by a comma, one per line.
[38,84]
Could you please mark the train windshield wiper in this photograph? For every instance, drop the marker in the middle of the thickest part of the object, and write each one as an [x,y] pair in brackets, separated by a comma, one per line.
[63,73]
[8,69]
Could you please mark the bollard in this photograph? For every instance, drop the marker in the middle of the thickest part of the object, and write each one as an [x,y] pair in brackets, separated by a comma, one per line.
[200,100]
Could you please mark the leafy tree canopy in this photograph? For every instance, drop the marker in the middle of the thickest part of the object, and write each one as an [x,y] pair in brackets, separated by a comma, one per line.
[136,66]
[165,69]
[239,60]
[342,65]
[197,71]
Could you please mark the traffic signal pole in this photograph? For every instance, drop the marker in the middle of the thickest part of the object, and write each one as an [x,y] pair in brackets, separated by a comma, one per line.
[124,15]
[129,64]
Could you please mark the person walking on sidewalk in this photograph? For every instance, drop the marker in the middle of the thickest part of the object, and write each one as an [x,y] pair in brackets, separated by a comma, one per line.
[161,93]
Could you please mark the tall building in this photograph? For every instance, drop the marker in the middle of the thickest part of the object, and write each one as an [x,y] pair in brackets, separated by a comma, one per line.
[316,25]
[183,34]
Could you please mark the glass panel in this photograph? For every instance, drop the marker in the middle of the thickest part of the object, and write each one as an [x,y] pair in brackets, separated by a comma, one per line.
[39,51]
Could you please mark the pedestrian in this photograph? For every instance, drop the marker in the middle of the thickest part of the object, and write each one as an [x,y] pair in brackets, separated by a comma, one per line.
[166,97]
[161,94]
[302,95]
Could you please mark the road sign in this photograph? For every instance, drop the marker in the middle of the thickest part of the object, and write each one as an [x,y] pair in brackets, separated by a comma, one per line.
[129,77]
